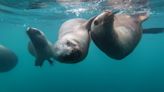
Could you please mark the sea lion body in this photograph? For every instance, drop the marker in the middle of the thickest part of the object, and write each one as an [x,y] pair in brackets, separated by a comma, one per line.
[39,46]
[8,59]
[116,35]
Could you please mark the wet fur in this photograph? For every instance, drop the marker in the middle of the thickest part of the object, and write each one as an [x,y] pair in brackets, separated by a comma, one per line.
[117,35]
[73,41]
[39,46]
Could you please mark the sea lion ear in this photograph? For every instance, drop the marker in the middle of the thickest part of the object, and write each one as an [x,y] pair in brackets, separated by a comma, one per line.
[142,16]
[89,23]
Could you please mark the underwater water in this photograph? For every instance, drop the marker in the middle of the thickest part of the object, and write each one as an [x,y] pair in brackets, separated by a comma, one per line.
[141,71]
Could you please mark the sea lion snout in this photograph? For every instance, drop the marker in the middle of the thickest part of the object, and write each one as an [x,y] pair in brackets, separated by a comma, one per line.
[75,53]
[105,17]
[109,12]
[68,51]
[33,31]
[115,11]
[36,35]
[72,57]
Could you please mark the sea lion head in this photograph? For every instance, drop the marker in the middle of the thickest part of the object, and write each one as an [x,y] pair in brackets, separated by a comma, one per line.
[68,51]
[105,17]
[36,36]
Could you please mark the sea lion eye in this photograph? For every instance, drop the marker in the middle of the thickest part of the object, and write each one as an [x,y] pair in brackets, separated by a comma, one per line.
[37,32]
[96,22]
[70,44]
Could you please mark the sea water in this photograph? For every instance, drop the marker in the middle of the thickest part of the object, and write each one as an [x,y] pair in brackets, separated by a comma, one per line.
[141,71]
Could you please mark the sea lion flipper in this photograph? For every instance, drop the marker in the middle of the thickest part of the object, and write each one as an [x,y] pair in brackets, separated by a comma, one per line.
[39,61]
[153,30]
[141,16]
[31,49]
[50,61]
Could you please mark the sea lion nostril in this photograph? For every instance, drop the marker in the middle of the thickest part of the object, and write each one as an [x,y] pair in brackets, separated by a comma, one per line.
[74,56]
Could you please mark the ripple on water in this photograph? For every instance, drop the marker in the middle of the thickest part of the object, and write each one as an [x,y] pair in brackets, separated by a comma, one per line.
[52,10]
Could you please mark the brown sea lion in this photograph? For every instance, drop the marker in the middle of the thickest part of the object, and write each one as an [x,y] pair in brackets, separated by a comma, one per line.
[117,35]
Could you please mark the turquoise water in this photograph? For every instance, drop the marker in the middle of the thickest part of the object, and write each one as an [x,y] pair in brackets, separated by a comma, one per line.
[141,71]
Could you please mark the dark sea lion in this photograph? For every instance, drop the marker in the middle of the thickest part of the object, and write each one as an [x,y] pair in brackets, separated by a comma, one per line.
[8,59]
[117,35]
[39,46]
[73,41]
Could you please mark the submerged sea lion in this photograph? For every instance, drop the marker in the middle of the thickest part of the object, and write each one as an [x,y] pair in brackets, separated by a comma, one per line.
[117,35]
[39,46]
[73,41]
[8,59]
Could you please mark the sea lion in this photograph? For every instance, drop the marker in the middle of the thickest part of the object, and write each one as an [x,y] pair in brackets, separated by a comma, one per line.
[73,41]
[117,35]
[8,59]
[39,46]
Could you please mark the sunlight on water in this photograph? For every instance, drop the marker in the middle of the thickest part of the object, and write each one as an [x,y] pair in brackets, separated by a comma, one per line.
[52,10]
[47,8]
